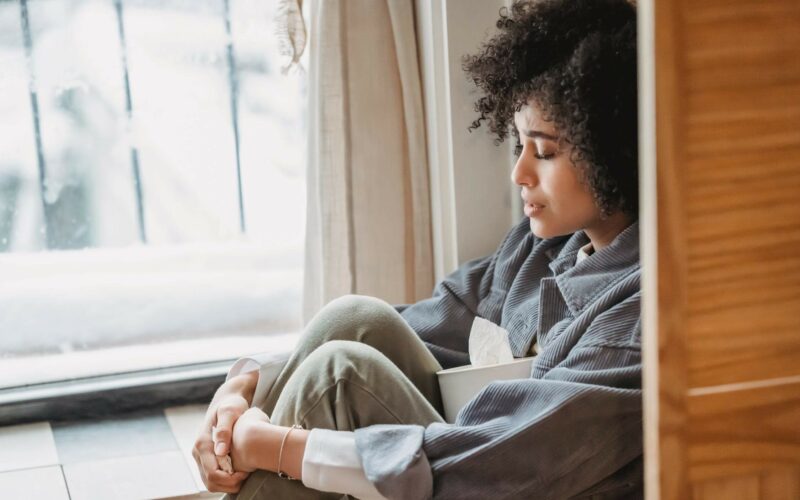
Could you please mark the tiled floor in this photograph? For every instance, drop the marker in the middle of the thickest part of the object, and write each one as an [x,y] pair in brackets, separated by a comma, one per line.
[141,456]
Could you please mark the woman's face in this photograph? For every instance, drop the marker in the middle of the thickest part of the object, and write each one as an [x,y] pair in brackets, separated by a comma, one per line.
[556,198]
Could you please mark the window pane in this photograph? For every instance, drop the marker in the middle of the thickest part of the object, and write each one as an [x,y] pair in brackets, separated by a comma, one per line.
[135,236]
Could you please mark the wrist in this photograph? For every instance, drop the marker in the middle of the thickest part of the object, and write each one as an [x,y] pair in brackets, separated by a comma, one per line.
[262,444]
[294,448]
[263,448]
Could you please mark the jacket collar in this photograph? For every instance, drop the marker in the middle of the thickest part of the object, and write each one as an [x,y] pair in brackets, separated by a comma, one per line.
[581,283]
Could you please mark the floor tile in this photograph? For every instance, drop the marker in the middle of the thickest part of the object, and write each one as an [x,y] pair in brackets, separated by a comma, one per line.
[123,436]
[44,483]
[27,446]
[185,422]
[158,475]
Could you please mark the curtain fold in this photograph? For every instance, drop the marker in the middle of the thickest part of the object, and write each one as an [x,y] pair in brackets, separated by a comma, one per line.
[368,222]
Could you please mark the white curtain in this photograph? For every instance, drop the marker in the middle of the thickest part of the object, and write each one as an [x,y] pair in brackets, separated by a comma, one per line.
[368,225]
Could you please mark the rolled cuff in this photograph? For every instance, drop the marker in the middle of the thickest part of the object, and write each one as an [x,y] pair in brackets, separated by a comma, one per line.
[394,461]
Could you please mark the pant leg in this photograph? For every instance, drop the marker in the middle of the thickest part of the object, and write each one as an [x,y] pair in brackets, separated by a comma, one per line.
[341,385]
[372,322]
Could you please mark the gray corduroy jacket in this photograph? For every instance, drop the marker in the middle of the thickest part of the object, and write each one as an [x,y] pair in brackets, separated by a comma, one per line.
[574,428]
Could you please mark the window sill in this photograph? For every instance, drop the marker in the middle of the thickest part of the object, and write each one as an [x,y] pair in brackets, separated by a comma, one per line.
[111,394]
[114,385]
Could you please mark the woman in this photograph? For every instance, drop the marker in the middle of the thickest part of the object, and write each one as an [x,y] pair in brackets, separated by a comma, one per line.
[561,76]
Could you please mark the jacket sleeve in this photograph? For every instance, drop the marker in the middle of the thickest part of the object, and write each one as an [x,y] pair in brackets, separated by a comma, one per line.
[548,438]
[444,320]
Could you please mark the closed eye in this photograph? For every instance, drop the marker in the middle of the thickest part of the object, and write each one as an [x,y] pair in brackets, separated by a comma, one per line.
[518,151]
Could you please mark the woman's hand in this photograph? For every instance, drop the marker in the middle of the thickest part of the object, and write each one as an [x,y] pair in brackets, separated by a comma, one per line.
[245,448]
[230,402]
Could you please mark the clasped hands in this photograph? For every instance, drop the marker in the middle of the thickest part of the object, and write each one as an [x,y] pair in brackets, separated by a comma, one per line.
[236,426]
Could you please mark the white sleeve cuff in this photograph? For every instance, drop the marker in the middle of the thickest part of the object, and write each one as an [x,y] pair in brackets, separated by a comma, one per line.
[269,365]
[256,361]
[331,463]
[241,366]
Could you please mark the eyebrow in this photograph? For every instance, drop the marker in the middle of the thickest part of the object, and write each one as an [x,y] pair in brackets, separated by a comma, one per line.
[535,133]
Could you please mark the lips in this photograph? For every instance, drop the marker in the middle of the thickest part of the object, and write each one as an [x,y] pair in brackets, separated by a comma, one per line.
[529,200]
[532,209]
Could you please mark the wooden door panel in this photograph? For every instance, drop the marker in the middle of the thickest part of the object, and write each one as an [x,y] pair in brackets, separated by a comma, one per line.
[721,219]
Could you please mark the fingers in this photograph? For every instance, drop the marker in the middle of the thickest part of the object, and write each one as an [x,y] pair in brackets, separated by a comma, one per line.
[216,480]
[222,413]
[224,463]
[219,481]
[228,411]
[204,438]
[204,456]
[224,427]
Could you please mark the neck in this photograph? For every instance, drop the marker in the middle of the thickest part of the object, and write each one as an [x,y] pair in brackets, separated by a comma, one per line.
[604,232]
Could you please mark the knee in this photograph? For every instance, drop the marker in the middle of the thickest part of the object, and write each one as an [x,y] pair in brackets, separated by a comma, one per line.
[341,318]
[322,382]
[343,359]
[362,306]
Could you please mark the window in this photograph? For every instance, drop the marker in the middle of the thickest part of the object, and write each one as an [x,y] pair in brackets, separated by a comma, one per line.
[152,191]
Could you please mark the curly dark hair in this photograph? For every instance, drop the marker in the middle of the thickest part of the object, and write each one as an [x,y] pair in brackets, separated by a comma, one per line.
[577,59]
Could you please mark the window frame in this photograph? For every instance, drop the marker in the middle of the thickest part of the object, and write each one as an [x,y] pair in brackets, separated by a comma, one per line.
[469,216]
[108,395]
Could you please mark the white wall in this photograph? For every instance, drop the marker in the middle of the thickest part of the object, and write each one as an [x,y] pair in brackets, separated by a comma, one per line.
[473,201]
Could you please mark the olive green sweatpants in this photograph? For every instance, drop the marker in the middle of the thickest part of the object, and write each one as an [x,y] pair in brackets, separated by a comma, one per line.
[358,363]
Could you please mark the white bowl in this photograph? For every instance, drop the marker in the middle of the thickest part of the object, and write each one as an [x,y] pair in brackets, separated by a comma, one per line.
[459,385]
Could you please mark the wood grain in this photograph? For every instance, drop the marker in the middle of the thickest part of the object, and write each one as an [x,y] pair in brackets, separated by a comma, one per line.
[727,183]
[741,125]
[739,432]
[781,484]
[740,488]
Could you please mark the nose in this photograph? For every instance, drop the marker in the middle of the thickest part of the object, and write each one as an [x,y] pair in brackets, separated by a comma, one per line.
[524,173]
